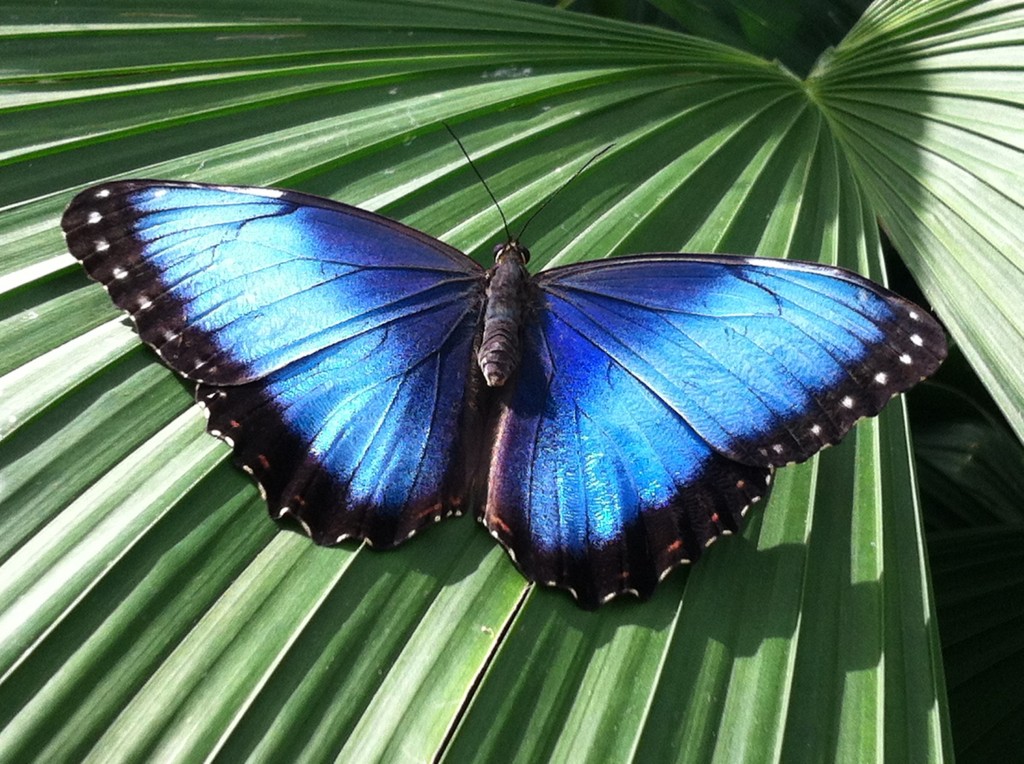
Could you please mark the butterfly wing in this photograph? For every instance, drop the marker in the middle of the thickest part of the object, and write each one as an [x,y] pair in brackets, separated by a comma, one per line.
[656,393]
[331,346]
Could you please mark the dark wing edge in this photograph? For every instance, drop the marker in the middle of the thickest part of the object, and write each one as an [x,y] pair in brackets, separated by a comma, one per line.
[674,534]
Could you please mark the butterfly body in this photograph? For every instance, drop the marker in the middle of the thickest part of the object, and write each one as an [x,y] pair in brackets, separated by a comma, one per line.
[508,295]
[606,420]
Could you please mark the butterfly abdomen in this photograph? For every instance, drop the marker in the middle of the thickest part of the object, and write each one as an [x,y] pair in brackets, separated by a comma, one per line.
[507,290]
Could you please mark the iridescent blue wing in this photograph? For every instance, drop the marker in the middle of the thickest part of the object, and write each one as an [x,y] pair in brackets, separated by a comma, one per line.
[656,393]
[331,346]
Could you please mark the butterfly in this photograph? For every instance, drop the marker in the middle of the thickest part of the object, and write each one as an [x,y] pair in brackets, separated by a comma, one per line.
[607,420]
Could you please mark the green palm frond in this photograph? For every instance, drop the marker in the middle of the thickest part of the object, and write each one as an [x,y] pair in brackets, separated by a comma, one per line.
[148,608]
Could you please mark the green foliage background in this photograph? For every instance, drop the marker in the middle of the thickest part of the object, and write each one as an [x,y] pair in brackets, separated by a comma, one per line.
[149,610]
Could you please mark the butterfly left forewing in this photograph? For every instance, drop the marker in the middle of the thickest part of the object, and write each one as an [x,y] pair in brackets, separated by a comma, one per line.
[229,284]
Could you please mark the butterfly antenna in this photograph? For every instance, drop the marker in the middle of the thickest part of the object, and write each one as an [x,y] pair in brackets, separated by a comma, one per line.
[559,190]
[469,159]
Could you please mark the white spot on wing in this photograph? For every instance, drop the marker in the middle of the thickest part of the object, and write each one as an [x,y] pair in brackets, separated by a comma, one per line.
[916,339]
[103,193]
[102,245]
[906,359]
[94,217]
[847,402]
[816,429]
[881,378]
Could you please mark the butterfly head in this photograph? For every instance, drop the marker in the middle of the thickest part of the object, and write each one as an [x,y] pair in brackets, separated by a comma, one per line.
[511,249]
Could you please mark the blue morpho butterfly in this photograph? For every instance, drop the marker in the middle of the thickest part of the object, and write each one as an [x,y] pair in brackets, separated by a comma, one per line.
[619,414]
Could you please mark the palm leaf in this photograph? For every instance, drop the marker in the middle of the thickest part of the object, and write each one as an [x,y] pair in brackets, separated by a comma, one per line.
[147,606]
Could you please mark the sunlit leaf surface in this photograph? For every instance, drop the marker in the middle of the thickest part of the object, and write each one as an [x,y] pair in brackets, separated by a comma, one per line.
[148,607]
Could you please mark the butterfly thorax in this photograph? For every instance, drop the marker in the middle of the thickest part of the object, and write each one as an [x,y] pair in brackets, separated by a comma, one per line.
[507,289]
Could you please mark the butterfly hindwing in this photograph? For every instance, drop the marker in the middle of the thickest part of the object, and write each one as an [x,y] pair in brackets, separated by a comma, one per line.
[656,393]
[332,347]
